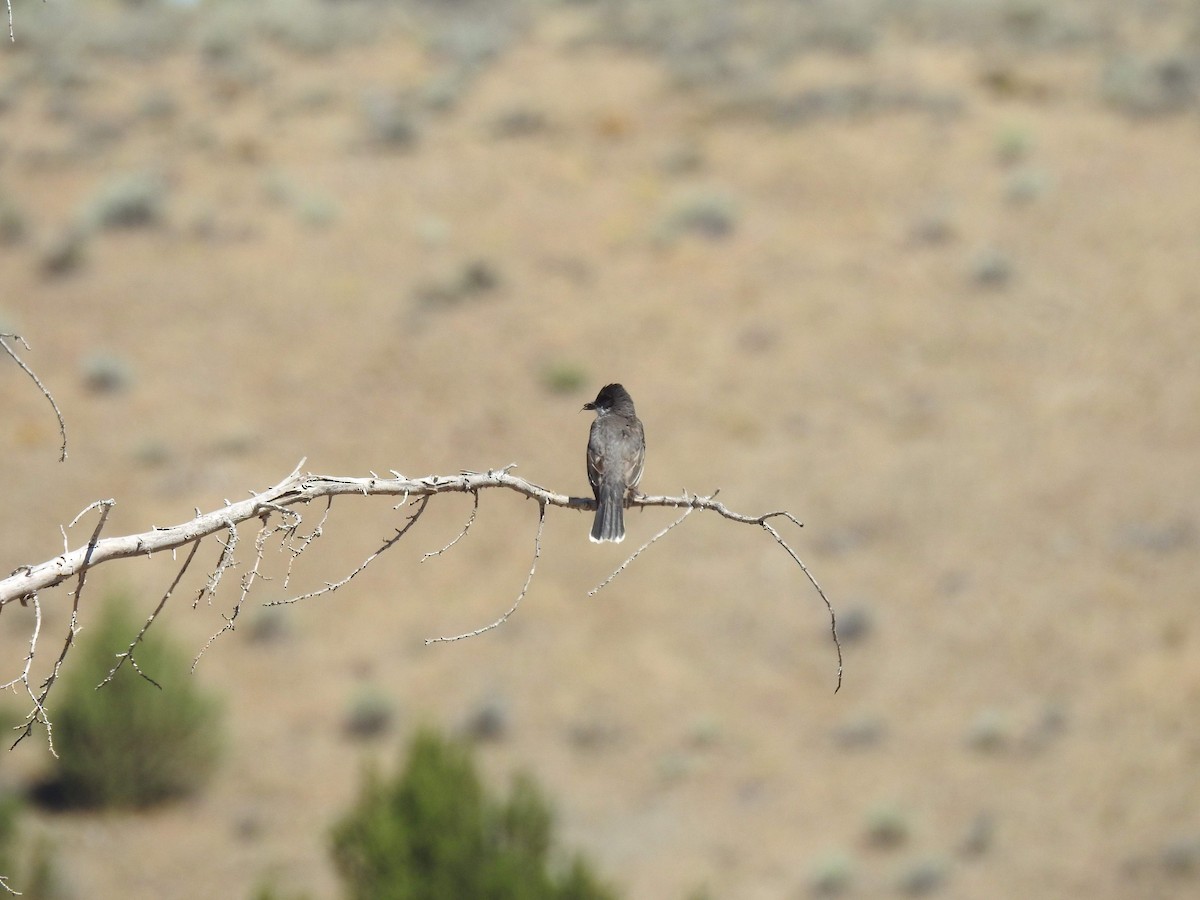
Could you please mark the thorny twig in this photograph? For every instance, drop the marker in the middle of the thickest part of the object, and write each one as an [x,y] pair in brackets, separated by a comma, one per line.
[638,552]
[537,551]
[330,587]
[462,534]
[62,425]
[224,562]
[38,714]
[813,581]
[260,543]
[296,550]
[128,654]
[697,502]
[12,36]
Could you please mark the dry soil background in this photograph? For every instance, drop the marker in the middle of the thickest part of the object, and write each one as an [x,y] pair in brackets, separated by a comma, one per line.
[931,281]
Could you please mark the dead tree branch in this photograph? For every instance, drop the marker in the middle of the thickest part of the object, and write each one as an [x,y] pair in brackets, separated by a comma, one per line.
[278,511]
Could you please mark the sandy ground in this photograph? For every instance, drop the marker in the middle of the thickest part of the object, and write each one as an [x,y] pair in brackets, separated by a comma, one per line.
[956,334]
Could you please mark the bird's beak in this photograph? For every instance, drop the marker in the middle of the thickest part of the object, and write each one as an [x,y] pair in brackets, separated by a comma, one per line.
[587,406]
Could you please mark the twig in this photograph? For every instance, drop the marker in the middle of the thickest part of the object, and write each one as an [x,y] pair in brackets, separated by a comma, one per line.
[330,587]
[225,561]
[537,551]
[62,425]
[260,543]
[638,552]
[812,580]
[38,713]
[295,551]
[128,654]
[462,534]
[23,678]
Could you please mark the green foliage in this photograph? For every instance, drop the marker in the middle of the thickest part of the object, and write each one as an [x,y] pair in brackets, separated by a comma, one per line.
[268,890]
[9,807]
[41,879]
[564,378]
[434,833]
[30,869]
[129,743]
[831,875]
[887,827]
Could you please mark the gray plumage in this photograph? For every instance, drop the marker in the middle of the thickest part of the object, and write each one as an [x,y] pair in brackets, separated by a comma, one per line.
[616,453]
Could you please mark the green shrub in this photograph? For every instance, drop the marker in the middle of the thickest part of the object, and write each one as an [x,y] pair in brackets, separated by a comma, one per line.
[10,805]
[14,225]
[564,378]
[132,200]
[370,715]
[268,890]
[710,214]
[831,875]
[130,743]
[65,252]
[434,833]
[27,866]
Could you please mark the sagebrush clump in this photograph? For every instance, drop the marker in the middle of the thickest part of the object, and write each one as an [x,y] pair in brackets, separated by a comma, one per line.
[435,833]
[131,743]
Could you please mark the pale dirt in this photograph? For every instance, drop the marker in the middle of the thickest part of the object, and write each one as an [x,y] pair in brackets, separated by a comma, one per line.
[1004,480]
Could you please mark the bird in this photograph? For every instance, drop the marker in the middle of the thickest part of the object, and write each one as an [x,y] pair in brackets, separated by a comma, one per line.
[616,453]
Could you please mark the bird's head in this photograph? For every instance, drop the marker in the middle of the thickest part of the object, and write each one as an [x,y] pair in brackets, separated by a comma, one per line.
[610,395]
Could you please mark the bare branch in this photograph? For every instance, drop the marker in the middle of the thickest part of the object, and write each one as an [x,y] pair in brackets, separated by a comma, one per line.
[295,489]
[710,503]
[537,551]
[283,501]
[62,425]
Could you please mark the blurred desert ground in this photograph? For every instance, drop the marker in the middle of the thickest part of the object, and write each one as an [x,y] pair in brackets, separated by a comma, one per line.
[925,274]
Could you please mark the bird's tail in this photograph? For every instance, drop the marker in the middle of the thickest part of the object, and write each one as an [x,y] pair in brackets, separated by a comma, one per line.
[609,524]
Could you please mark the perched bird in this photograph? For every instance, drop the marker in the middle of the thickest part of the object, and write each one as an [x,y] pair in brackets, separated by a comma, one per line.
[616,453]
